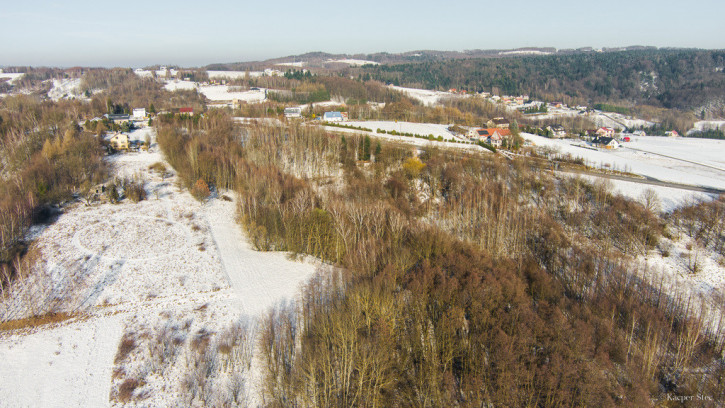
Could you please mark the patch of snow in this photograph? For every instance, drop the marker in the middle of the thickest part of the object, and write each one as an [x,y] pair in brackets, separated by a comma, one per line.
[354,62]
[707,125]
[524,52]
[234,74]
[11,77]
[427,97]
[218,92]
[65,89]
[298,64]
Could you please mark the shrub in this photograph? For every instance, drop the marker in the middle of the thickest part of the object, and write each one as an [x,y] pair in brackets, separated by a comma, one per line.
[413,166]
[200,191]
[158,167]
[135,191]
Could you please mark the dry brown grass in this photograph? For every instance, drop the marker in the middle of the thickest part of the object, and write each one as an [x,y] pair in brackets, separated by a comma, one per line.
[125,391]
[128,343]
[36,321]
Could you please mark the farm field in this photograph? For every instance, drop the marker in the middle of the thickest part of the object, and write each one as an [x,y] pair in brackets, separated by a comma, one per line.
[699,162]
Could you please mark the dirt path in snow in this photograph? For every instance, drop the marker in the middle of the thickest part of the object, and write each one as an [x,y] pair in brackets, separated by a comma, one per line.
[259,279]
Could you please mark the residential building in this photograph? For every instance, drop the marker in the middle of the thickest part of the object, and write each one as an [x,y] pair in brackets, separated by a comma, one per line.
[605,132]
[119,141]
[498,123]
[293,112]
[333,116]
[556,131]
[606,142]
[139,113]
[118,118]
[492,136]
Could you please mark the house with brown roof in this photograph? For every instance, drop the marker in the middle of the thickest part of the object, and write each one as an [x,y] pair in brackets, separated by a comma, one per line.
[502,123]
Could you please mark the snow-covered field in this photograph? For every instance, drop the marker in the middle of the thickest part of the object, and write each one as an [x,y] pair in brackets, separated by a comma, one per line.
[217,92]
[233,74]
[126,268]
[354,62]
[422,129]
[428,98]
[699,162]
[298,64]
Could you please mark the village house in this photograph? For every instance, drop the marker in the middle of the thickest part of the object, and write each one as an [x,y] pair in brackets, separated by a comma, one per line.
[501,123]
[605,132]
[606,142]
[119,141]
[556,131]
[293,112]
[118,118]
[639,133]
[332,117]
[672,133]
[139,113]
[492,136]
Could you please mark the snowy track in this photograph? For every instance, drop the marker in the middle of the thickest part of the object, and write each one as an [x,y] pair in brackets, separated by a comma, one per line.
[259,279]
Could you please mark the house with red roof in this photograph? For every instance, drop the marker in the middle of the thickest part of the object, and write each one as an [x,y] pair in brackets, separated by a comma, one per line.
[492,136]
[605,132]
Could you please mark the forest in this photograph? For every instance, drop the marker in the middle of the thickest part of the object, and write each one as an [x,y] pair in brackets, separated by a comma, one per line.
[669,78]
[455,279]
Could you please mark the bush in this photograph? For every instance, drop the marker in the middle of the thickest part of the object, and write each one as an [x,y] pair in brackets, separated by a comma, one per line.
[200,191]
[135,190]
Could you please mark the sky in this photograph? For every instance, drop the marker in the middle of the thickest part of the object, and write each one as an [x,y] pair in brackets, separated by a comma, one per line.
[135,33]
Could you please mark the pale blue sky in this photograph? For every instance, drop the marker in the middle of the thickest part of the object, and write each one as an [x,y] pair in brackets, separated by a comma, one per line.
[136,33]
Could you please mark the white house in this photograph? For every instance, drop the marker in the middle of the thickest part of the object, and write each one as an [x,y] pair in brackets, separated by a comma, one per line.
[606,142]
[557,131]
[139,113]
[294,112]
[332,117]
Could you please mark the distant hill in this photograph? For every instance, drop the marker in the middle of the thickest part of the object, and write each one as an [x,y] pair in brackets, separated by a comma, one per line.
[671,78]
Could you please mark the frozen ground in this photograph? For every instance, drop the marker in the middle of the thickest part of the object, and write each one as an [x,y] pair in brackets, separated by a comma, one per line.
[423,129]
[124,268]
[11,77]
[234,74]
[354,62]
[699,162]
[217,92]
[709,124]
[428,98]
[65,89]
[407,127]
[669,198]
